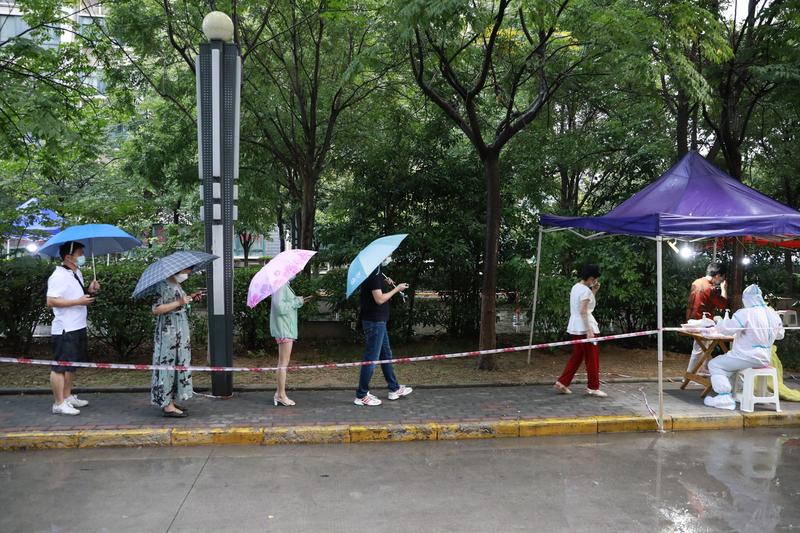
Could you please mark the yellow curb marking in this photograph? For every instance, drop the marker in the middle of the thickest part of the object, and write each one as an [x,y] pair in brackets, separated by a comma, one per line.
[205,437]
[307,435]
[102,438]
[538,427]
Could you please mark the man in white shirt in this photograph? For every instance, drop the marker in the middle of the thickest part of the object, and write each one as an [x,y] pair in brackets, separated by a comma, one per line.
[68,298]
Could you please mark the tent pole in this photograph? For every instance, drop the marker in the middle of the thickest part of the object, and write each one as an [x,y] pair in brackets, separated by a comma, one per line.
[660,323]
[535,290]
[715,250]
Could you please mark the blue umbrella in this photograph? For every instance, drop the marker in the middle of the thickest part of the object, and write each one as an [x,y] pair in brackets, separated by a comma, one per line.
[369,258]
[169,266]
[97,239]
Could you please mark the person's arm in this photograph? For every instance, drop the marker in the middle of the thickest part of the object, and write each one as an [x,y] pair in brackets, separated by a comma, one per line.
[163,307]
[57,301]
[693,306]
[585,316]
[381,297]
[732,326]
[55,296]
[717,299]
[176,304]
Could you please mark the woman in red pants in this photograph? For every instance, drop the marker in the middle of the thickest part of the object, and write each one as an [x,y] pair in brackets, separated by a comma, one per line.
[582,325]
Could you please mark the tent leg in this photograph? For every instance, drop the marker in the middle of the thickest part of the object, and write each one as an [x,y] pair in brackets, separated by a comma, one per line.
[660,323]
[715,250]
[535,290]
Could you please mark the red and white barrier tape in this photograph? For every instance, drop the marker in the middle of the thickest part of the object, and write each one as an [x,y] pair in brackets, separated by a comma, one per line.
[399,361]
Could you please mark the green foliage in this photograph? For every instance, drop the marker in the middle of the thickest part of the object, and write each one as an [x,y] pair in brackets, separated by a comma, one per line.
[252,325]
[23,302]
[119,322]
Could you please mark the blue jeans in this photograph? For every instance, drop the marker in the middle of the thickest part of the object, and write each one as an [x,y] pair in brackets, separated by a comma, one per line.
[376,345]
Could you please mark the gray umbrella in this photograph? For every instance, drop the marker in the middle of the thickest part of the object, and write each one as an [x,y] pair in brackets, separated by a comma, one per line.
[169,266]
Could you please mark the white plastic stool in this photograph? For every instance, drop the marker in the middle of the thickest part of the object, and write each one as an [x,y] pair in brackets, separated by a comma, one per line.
[749,394]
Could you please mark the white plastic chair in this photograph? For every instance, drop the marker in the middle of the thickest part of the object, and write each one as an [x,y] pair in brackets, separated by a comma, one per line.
[754,388]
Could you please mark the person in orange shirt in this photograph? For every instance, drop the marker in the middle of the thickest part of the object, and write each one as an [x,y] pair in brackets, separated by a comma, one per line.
[708,295]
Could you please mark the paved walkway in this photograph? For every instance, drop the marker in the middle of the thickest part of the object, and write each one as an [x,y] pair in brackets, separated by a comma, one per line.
[110,411]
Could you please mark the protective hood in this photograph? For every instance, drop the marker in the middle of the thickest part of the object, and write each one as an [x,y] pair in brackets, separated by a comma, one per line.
[752,297]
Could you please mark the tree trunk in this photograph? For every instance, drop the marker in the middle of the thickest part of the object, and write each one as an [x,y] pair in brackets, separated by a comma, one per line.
[488,338]
[281,228]
[733,160]
[308,210]
[682,124]
[246,240]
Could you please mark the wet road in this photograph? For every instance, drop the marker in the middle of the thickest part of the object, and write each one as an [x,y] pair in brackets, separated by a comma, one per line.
[689,481]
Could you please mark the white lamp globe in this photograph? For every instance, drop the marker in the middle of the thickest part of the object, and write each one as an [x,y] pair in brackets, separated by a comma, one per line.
[686,252]
[32,248]
[217,26]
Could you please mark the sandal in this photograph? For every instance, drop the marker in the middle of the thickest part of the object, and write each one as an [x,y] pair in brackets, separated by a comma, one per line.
[561,388]
[181,408]
[173,414]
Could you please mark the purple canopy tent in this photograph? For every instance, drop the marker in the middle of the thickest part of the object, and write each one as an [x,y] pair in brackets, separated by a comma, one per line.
[693,200]
[37,224]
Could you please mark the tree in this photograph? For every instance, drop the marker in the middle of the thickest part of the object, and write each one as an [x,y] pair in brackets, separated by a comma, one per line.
[760,63]
[492,70]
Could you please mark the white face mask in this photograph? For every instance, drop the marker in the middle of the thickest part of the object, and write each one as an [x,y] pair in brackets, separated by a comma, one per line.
[386,261]
[180,278]
[80,261]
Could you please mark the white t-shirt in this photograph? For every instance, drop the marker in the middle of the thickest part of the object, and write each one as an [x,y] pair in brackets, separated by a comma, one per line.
[62,284]
[579,294]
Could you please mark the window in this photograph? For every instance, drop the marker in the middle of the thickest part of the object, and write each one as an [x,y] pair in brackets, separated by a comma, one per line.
[12,26]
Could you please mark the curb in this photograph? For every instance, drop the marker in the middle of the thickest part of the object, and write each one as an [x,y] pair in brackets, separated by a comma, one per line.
[424,431]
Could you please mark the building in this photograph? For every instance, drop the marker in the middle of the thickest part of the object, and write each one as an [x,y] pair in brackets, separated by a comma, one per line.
[83,15]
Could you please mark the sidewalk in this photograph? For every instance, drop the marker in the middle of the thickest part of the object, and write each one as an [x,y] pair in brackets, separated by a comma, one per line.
[326,416]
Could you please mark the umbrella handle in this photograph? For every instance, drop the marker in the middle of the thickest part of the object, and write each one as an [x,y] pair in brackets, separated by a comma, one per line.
[94,267]
[395,285]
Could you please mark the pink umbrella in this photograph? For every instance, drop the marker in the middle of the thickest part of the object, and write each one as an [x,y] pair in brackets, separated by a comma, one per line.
[276,274]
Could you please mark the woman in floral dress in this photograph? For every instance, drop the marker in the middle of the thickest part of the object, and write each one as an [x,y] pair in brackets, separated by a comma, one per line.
[172,346]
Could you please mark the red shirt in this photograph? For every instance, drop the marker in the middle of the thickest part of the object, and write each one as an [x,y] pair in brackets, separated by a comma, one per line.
[704,298]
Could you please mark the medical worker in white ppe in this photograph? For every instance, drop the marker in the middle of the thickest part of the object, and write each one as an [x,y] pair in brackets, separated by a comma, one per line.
[755,329]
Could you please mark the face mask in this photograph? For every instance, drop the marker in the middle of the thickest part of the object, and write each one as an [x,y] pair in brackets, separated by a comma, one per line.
[80,261]
[180,278]
[386,261]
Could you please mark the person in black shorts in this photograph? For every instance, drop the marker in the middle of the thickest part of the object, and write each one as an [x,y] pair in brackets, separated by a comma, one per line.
[69,298]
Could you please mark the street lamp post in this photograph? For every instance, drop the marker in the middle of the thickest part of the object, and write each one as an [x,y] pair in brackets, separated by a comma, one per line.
[219,74]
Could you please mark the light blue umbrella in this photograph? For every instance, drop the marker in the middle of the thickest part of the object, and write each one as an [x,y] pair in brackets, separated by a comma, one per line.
[169,266]
[97,239]
[369,258]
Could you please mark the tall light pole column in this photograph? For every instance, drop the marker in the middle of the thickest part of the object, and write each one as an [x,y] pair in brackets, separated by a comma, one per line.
[219,74]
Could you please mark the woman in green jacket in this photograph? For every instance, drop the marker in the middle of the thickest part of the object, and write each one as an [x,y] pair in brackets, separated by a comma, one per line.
[283,327]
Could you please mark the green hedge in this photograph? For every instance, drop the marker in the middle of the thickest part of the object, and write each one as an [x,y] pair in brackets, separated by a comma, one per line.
[23,286]
[119,322]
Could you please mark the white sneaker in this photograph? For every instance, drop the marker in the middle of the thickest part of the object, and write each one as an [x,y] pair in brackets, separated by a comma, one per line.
[65,409]
[74,401]
[369,400]
[721,401]
[596,392]
[399,393]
